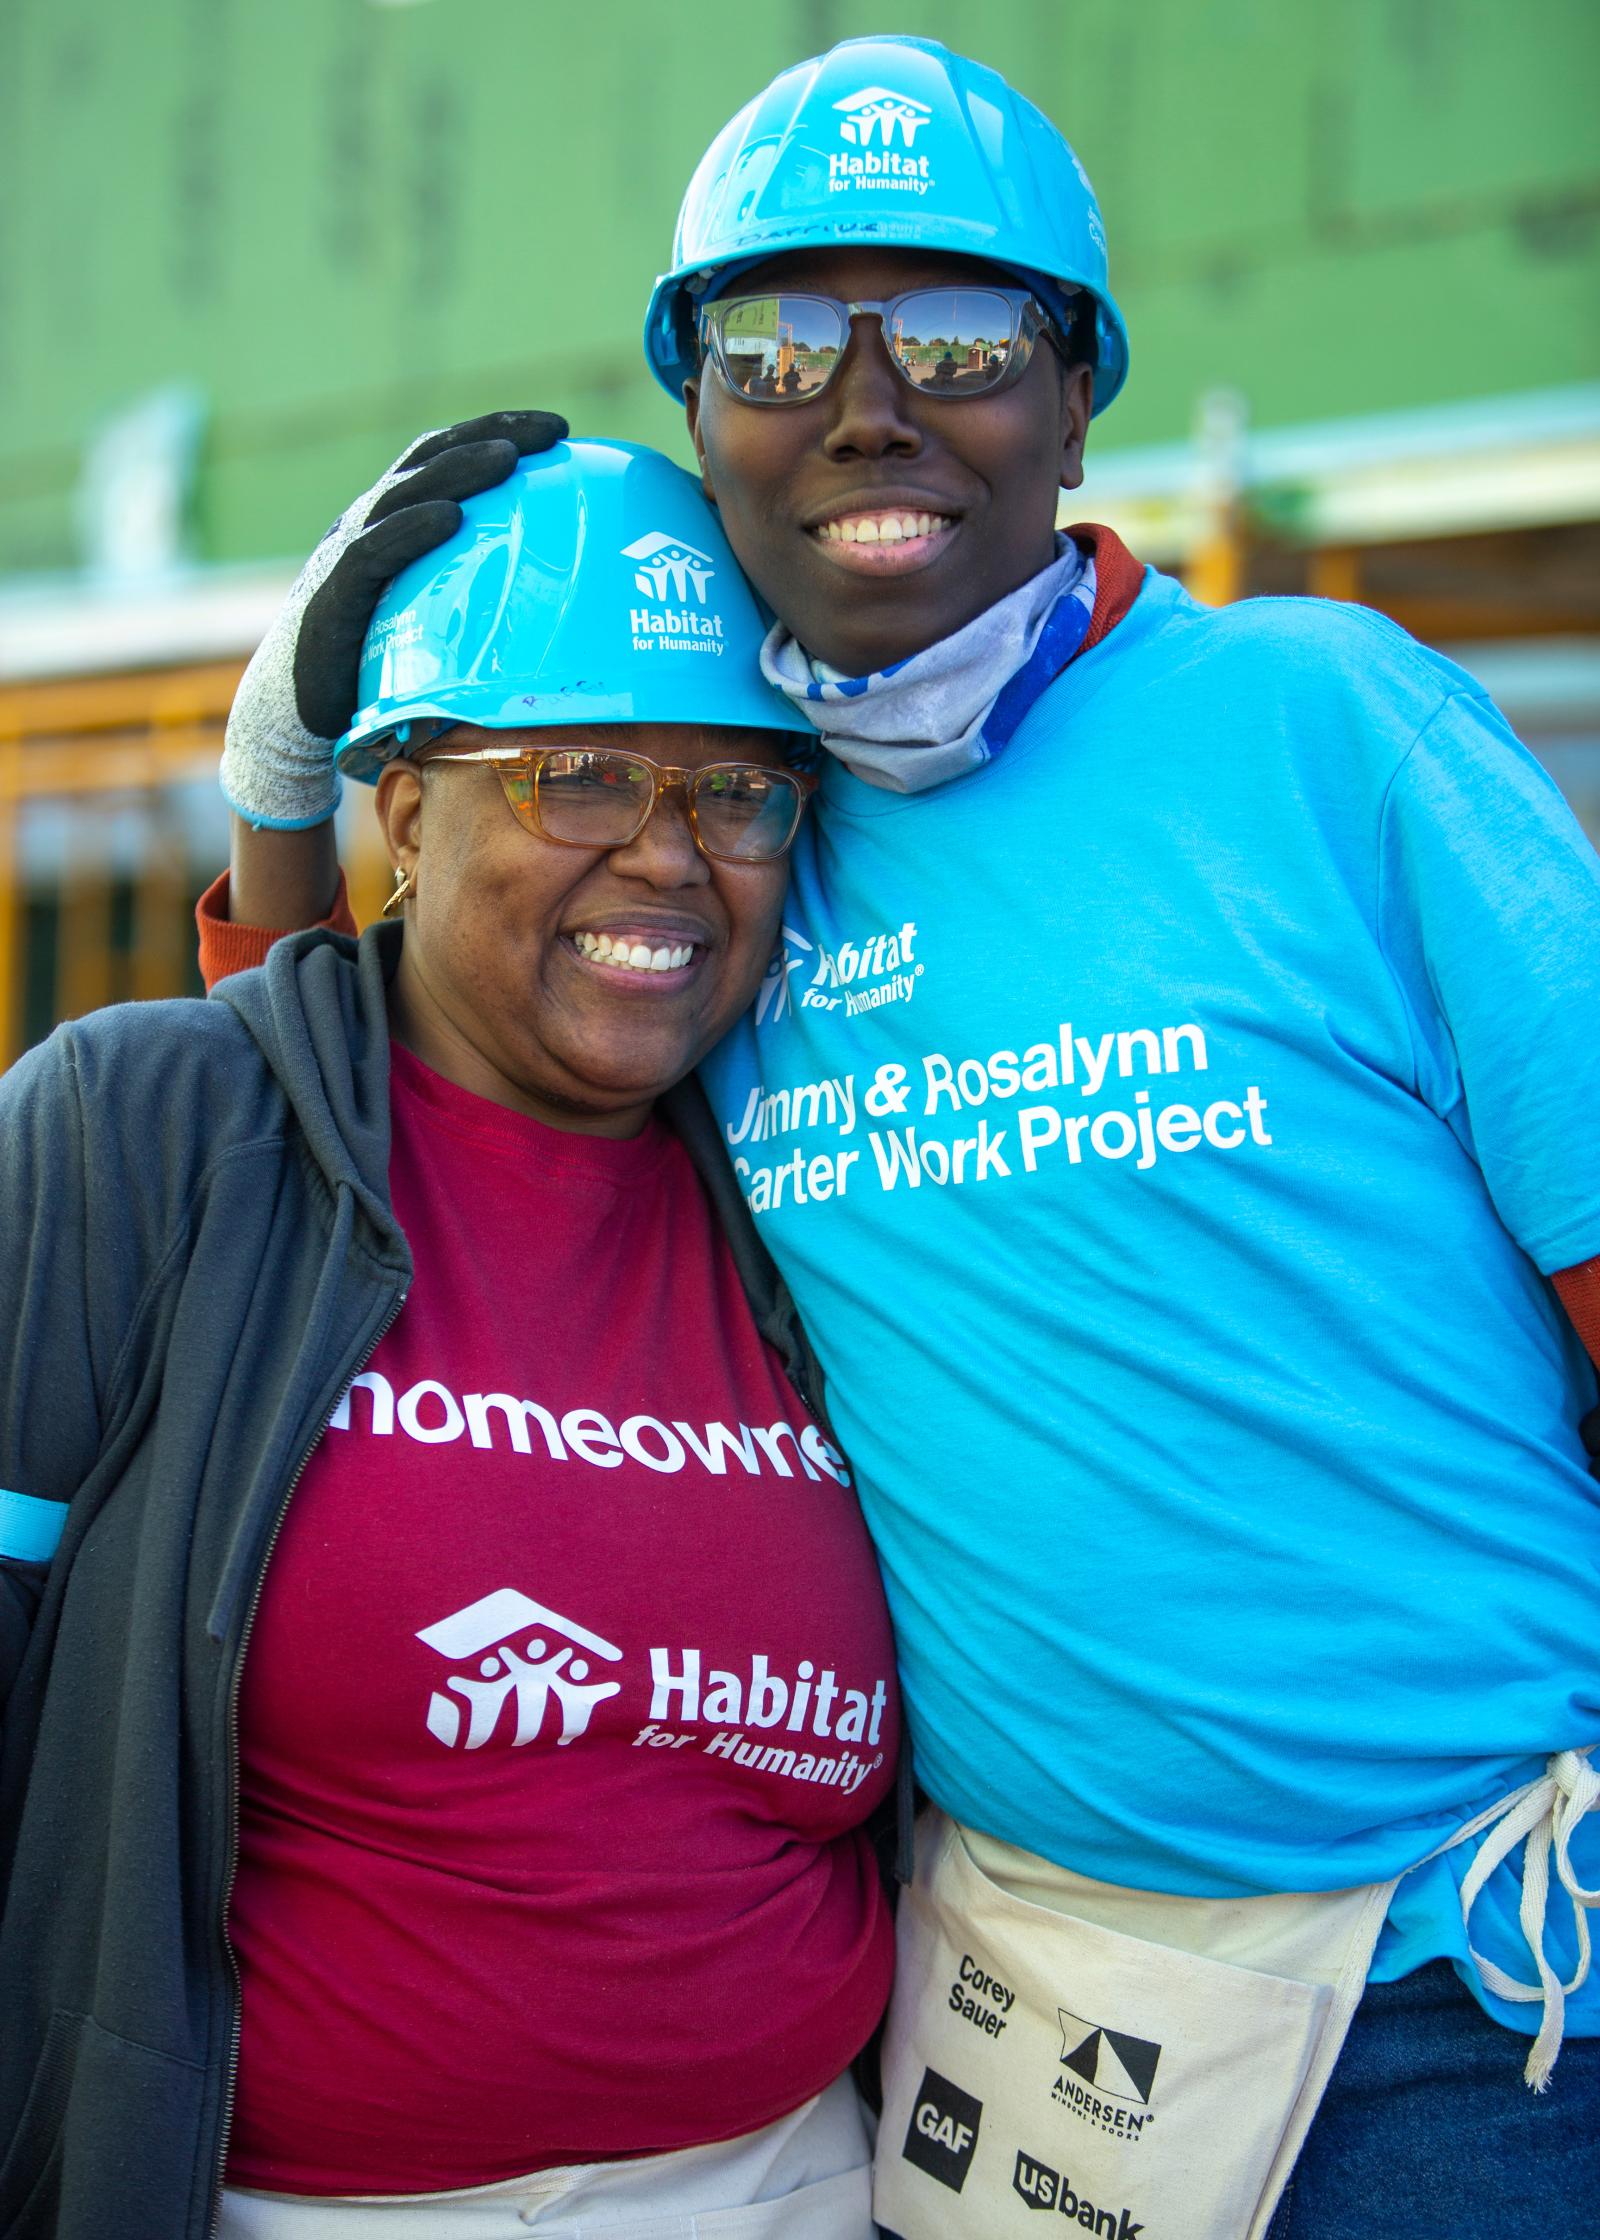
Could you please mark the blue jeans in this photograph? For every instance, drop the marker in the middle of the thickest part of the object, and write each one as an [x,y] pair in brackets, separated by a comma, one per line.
[1428,2132]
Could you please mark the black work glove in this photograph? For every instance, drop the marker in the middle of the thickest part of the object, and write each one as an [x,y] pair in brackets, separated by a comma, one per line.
[298,695]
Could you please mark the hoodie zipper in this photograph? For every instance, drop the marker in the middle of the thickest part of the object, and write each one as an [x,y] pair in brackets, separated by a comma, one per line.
[232,2081]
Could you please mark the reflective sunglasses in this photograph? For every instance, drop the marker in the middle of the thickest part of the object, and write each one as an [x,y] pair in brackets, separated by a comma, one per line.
[946,342]
[600,797]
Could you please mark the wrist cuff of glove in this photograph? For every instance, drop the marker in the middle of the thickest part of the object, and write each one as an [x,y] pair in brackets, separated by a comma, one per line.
[260,821]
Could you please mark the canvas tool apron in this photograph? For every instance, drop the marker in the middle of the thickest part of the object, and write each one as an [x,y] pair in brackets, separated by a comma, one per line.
[1144,2065]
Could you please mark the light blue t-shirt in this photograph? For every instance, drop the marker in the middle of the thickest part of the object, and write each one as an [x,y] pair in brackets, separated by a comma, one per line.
[1163,1131]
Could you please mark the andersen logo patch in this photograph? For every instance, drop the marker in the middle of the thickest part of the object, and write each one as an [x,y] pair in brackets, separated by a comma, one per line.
[942,2135]
[1110,2060]
[1105,2077]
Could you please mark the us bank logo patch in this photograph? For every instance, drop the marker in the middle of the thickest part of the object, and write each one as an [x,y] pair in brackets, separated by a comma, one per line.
[1040,2186]
[942,2136]
[879,128]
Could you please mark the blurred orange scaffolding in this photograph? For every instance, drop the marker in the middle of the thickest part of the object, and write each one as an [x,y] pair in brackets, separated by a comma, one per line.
[88,743]
[94,747]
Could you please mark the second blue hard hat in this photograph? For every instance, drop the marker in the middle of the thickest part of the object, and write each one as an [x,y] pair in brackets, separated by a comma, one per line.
[891,142]
[593,586]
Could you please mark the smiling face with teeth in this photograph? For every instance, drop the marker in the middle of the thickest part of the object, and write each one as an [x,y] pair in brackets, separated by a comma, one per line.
[571,984]
[876,518]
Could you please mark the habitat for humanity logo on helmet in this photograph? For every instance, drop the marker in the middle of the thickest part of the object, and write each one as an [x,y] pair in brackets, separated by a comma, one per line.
[666,568]
[883,126]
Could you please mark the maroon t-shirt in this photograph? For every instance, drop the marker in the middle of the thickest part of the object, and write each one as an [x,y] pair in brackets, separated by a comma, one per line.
[569,1689]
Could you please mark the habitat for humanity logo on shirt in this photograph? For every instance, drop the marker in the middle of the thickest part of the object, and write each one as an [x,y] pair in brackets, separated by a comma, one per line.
[524,1681]
[859,975]
[522,1673]
[667,569]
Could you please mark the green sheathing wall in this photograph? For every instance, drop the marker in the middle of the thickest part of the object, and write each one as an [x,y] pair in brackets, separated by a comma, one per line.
[345,221]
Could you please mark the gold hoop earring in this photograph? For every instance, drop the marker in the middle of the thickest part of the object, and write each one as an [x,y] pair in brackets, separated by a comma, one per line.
[404,884]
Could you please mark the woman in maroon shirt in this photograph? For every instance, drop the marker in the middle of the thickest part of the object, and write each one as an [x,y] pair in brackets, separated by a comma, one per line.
[568,1684]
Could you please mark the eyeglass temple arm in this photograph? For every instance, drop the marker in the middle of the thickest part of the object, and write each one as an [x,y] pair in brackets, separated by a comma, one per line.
[484,754]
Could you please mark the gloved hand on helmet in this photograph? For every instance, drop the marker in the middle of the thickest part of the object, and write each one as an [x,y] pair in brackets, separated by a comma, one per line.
[299,693]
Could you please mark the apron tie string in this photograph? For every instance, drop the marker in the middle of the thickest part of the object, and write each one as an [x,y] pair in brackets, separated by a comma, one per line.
[1545,1813]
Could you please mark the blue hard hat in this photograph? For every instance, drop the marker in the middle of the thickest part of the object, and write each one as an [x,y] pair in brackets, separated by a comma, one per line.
[888,142]
[593,586]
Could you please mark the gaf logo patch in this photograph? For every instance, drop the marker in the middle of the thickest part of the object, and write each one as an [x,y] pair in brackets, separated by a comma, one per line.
[876,113]
[880,126]
[943,2131]
[666,567]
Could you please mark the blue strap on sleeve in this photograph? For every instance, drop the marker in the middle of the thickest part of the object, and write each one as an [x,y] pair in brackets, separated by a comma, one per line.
[30,1528]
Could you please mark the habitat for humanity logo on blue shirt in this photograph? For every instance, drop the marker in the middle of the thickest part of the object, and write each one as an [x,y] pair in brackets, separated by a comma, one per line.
[851,978]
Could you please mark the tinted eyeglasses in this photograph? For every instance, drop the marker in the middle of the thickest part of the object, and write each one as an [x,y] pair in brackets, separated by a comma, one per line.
[597,797]
[945,342]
